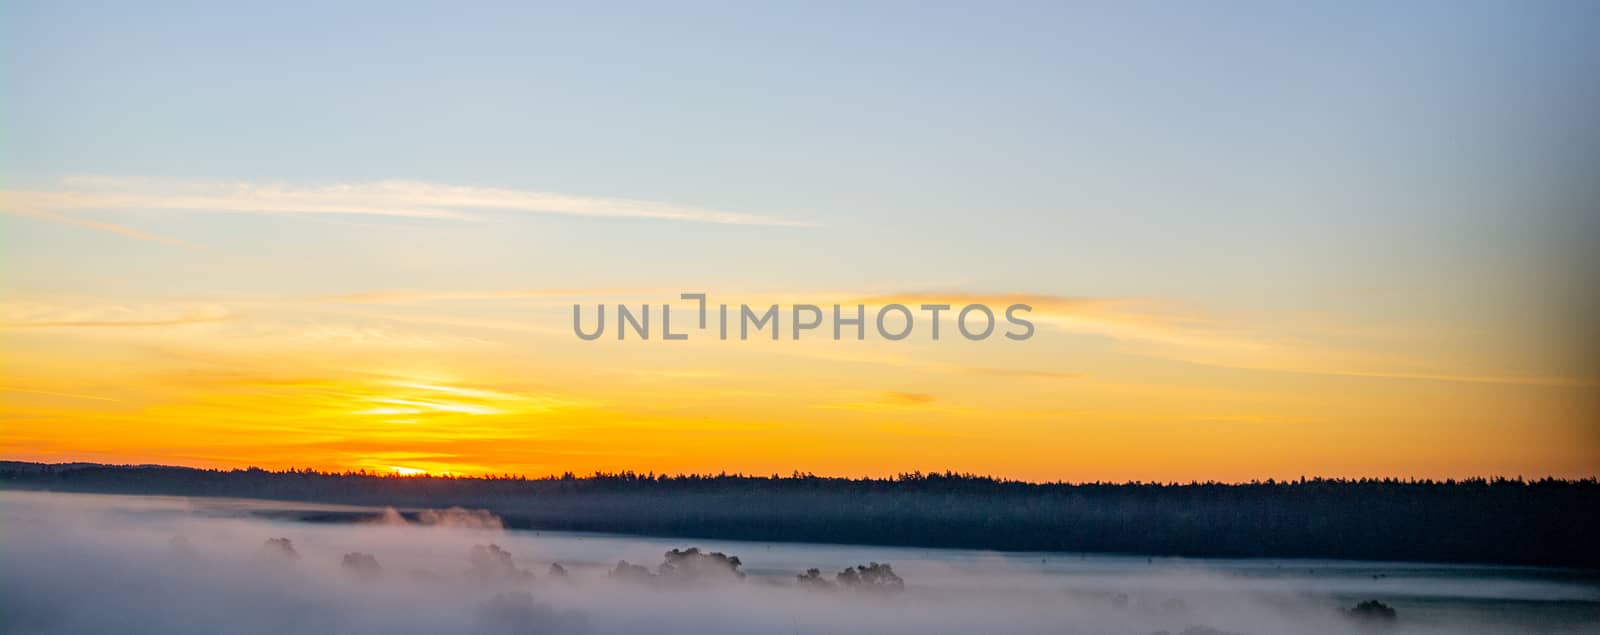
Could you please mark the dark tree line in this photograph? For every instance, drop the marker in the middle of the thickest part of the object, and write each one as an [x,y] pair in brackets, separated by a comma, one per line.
[1509,521]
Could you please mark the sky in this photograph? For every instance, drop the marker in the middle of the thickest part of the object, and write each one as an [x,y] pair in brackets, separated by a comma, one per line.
[1260,240]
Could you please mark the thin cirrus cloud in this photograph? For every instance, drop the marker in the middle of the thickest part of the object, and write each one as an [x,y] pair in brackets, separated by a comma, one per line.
[416,296]
[406,199]
[37,315]
[908,398]
[1155,331]
[98,226]
[1148,328]
[52,393]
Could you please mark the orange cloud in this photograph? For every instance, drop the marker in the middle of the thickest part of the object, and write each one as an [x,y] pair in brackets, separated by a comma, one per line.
[908,398]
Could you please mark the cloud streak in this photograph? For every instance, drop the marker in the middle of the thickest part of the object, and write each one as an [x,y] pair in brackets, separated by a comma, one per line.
[89,224]
[408,199]
[19,316]
[1165,333]
[51,393]
[414,296]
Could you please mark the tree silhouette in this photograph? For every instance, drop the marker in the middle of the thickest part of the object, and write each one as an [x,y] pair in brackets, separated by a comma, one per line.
[1372,612]
[872,577]
[281,549]
[693,566]
[362,565]
[628,572]
[491,563]
[813,579]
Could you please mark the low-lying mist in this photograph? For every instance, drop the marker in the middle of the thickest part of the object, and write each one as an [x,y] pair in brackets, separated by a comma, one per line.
[101,564]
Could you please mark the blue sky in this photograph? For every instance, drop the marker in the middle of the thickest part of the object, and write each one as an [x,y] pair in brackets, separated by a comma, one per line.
[1197,133]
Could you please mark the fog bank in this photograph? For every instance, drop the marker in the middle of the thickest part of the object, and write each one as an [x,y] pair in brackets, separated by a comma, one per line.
[100,564]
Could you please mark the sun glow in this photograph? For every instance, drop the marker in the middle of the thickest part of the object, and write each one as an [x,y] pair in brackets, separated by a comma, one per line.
[582,406]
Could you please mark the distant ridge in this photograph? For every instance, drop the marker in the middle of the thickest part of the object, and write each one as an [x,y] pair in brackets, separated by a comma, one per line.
[38,467]
[29,466]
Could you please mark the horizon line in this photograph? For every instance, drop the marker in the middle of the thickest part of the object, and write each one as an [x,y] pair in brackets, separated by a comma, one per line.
[804,475]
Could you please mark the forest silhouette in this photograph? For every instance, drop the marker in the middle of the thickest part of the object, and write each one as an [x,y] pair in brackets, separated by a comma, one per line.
[1548,521]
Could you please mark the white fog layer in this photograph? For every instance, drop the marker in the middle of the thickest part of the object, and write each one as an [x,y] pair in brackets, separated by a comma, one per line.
[120,564]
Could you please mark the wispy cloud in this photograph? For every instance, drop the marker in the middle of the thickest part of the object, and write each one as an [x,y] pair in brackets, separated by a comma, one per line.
[908,398]
[372,335]
[52,393]
[1021,372]
[896,402]
[1160,330]
[90,224]
[413,199]
[411,296]
[33,315]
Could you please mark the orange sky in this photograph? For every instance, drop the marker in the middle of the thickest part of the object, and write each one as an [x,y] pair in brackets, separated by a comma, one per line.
[1105,390]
